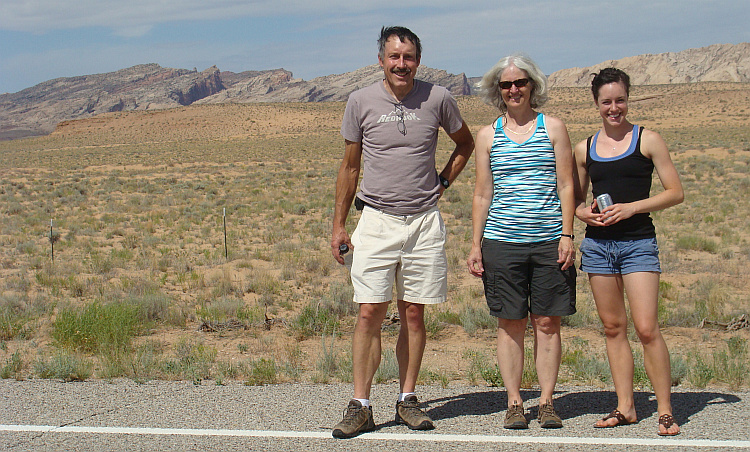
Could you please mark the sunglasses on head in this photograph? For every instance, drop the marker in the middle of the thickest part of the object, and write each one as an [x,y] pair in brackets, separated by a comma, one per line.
[520,83]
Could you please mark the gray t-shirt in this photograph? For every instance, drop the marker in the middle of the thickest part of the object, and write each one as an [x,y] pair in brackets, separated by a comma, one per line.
[399,175]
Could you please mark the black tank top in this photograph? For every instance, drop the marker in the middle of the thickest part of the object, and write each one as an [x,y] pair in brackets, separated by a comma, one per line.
[626,178]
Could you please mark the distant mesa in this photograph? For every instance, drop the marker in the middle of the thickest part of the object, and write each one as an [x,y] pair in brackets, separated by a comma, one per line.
[715,63]
[37,110]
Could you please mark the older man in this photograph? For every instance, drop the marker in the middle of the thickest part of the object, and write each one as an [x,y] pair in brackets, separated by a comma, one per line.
[391,131]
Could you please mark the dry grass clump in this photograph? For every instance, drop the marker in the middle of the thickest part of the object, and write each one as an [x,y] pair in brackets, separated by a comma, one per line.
[143,284]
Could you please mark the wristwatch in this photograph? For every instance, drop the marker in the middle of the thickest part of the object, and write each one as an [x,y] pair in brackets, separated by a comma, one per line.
[444,182]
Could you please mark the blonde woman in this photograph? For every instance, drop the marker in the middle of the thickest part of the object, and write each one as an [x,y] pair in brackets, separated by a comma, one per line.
[522,220]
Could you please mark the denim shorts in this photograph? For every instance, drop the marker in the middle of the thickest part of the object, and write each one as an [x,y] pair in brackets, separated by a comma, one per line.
[611,257]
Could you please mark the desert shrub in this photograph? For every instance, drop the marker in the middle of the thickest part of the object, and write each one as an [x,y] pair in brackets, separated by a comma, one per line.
[99,327]
[475,318]
[13,321]
[13,367]
[193,360]
[668,291]
[430,377]
[583,318]
[26,247]
[480,366]
[388,369]
[293,366]
[701,372]
[251,314]
[730,368]
[228,308]
[314,319]
[449,317]
[12,325]
[263,283]
[460,210]
[328,362]
[141,364]
[17,315]
[433,325]
[709,296]
[18,283]
[731,365]
[582,364]
[152,307]
[262,372]
[14,208]
[737,346]
[529,377]
[223,285]
[340,300]
[345,368]
[101,264]
[680,369]
[696,243]
[64,366]
[220,310]
[640,378]
[138,287]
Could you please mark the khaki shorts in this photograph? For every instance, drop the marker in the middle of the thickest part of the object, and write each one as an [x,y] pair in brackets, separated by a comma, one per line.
[408,250]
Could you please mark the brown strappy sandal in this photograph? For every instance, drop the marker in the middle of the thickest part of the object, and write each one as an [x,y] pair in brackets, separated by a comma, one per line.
[615,414]
[667,420]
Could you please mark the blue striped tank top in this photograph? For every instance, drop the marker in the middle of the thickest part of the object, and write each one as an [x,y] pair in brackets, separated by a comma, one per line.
[525,207]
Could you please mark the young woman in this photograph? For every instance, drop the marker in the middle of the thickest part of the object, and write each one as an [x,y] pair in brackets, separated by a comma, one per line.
[522,221]
[619,252]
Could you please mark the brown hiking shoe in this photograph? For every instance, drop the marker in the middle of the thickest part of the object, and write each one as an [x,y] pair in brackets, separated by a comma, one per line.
[357,419]
[547,416]
[409,413]
[514,417]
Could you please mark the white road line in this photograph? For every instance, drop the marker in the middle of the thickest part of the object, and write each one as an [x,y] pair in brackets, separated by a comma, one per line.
[426,437]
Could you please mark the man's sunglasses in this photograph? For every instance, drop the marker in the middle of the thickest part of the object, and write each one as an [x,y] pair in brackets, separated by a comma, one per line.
[520,83]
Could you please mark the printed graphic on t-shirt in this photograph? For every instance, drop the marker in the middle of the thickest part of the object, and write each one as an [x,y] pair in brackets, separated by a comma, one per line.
[397,114]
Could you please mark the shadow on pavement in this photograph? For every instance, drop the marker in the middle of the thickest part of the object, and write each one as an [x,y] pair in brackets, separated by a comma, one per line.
[574,404]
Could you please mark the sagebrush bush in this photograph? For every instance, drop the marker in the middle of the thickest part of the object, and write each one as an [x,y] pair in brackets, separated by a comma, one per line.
[64,366]
[14,367]
[262,372]
[314,319]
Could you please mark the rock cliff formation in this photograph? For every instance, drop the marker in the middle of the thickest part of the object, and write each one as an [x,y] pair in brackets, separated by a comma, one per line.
[716,63]
[279,86]
[37,110]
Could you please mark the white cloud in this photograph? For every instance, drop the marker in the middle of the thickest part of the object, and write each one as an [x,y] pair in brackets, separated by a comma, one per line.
[321,37]
[45,15]
[135,31]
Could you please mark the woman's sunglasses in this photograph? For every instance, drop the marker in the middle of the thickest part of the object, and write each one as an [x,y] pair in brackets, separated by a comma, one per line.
[520,83]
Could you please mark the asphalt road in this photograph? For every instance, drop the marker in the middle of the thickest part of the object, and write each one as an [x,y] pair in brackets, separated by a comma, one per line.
[43,415]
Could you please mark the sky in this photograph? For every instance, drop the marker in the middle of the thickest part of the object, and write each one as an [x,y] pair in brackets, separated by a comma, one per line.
[42,40]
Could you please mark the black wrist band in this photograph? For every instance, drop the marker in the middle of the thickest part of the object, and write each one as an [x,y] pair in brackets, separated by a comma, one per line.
[572,237]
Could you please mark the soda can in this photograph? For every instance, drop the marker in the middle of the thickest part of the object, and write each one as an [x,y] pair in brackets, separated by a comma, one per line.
[603,201]
[348,257]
